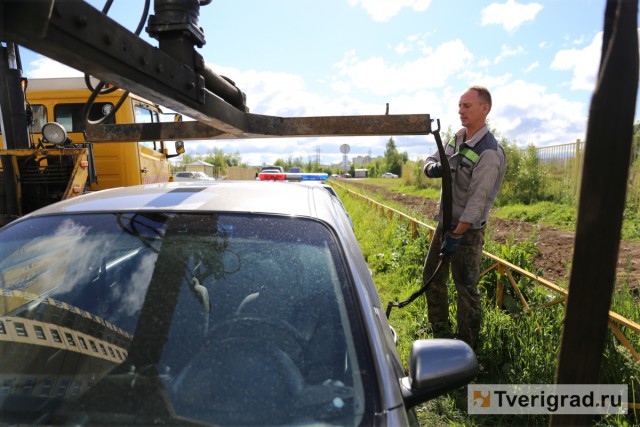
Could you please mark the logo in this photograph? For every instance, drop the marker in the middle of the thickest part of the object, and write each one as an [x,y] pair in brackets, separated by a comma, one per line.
[481,400]
[547,399]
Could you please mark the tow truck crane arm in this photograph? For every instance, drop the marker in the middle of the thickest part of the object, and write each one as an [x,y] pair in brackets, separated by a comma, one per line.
[173,75]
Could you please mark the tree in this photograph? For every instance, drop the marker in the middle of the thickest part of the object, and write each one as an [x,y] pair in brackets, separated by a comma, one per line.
[185,159]
[216,158]
[281,162]
[393,159]
[376,168]
[233,159]
[525,177]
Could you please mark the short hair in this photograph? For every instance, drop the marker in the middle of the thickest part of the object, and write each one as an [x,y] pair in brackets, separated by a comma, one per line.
[483,93]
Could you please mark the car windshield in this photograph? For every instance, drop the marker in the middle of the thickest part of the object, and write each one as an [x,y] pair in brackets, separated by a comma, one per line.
[147,318]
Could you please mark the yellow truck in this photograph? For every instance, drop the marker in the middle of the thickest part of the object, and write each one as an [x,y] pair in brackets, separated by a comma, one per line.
[45,173]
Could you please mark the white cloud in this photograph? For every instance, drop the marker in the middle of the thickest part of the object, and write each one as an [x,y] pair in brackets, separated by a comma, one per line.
[579,40]
[525,113]
[383,10]
[341,86]
[379,77]
[510,14]
[401,48]
[583,63]
[506,52]
[484,62]
[532,67]
[44,67]
[286,94]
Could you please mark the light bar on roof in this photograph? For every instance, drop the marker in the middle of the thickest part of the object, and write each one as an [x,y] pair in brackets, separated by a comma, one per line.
[267,176]
[292,176]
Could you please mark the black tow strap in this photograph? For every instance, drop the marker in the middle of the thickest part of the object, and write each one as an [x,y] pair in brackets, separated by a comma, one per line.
[446,202]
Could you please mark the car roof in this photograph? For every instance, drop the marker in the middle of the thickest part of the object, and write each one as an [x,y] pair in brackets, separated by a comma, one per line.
[220,196]
[321,184]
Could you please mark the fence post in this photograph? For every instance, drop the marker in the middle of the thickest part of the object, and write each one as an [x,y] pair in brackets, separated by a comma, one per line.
[577,167]
[500,287]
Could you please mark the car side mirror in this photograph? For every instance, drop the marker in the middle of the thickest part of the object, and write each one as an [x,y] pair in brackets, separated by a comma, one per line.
[437,366]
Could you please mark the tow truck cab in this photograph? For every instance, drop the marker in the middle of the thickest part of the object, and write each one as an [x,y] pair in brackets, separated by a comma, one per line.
[48,171]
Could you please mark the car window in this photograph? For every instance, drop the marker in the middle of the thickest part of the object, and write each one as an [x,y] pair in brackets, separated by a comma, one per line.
[228,319]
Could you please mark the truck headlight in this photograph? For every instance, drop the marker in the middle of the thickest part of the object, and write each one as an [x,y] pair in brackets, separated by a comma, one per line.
[54,133]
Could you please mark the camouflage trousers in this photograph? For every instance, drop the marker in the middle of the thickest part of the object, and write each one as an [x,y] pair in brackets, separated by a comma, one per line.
[465,270]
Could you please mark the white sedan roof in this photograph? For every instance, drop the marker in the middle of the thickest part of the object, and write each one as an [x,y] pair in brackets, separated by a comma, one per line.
[222,196]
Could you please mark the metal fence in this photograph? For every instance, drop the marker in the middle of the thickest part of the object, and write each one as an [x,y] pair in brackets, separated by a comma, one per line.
[562,164]
[563,167]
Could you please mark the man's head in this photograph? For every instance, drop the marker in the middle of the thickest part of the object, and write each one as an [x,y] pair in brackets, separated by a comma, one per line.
[473,107]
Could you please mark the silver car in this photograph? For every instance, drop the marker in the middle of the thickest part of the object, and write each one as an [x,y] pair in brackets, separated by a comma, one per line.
[231,303]
[192,176]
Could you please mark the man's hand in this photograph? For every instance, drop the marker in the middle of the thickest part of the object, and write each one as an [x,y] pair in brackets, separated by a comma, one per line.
[450,244]
[433,170]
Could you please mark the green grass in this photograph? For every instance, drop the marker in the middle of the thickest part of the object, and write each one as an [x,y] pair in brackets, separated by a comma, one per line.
[399,186]
[564,216]
[517,347]
[561,215]
[548,213]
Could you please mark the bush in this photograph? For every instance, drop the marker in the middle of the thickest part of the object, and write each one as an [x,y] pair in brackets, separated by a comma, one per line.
[525,178]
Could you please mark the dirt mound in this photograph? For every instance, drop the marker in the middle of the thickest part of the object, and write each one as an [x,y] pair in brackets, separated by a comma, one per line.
[555,246]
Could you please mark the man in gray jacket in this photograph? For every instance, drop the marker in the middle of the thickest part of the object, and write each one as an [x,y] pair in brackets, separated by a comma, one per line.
[478,164]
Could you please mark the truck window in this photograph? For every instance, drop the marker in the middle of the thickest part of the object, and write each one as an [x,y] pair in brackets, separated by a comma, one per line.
[39,117]
[145,115]
[70,115]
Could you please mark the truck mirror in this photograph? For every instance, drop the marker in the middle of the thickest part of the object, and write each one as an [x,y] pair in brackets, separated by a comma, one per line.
[179,147]
[179,150]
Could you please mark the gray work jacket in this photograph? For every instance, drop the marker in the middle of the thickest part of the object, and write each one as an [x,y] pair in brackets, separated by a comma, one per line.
[477,171]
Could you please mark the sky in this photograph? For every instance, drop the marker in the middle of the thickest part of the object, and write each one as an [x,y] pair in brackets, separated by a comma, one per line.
[295,58]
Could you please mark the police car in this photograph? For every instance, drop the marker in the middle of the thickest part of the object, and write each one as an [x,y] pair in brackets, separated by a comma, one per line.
[230,303]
